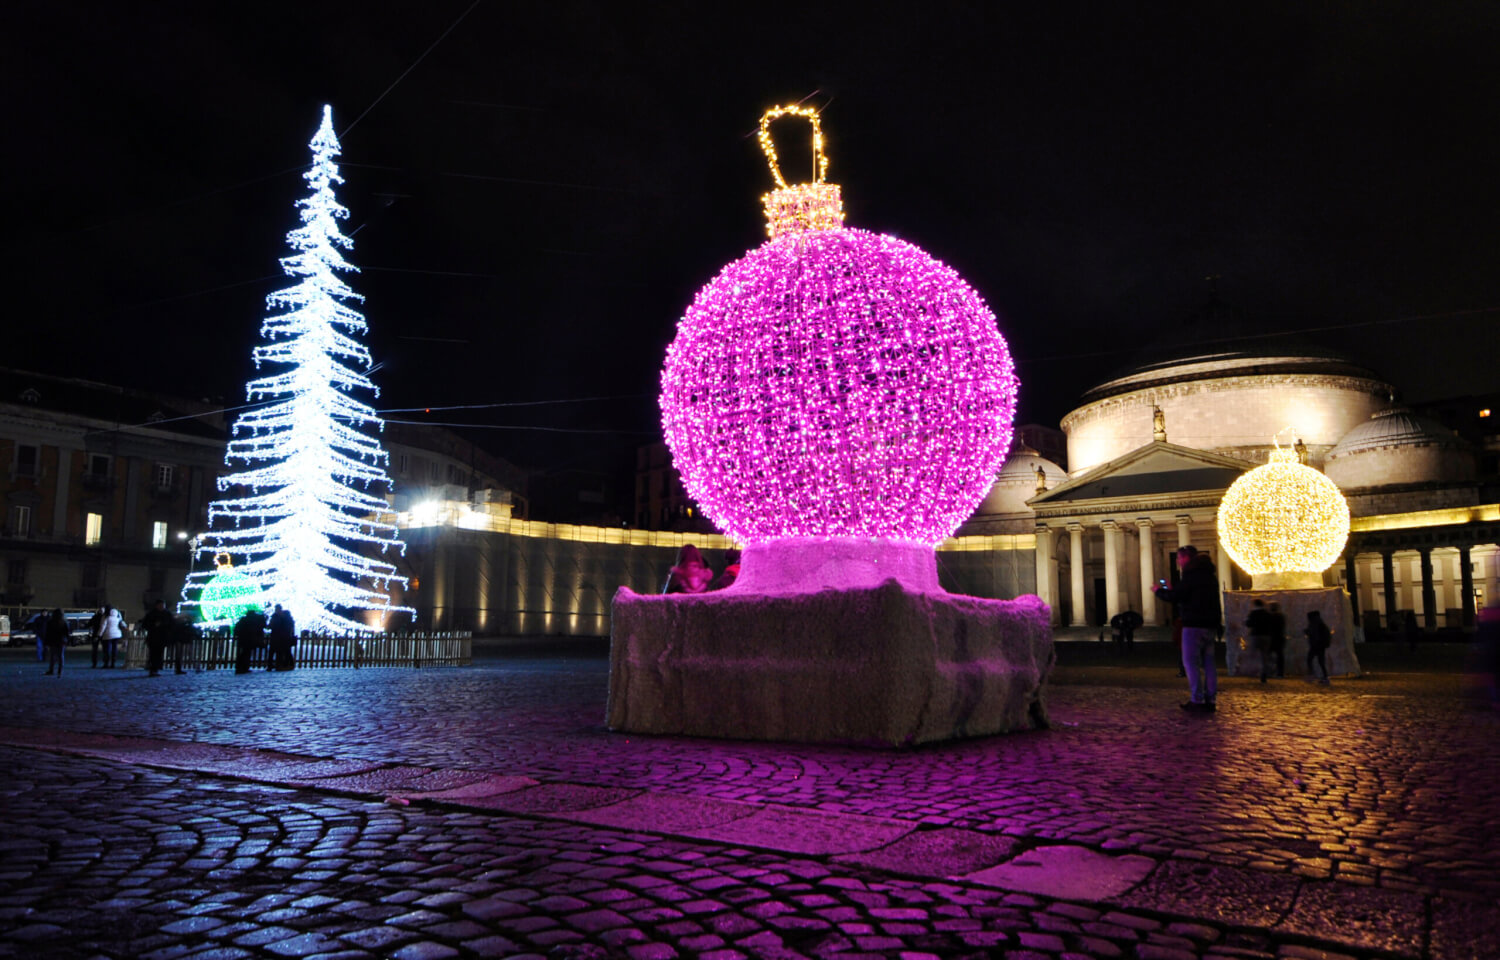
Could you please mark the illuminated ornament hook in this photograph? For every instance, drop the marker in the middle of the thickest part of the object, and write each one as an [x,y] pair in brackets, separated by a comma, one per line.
[804,206]
[1284,523]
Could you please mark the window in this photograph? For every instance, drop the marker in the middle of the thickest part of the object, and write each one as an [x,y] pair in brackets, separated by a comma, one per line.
[90,574]
[401,465]
[15,572]
[164,474]
[20,520]
[98,465]
[159,533]
[26,458]
[93,529]
[158,580]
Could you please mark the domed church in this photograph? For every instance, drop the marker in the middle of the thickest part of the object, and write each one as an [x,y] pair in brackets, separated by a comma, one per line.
[1152,449]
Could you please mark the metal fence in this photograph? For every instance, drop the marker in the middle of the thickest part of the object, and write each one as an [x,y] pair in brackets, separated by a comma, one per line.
[441,649]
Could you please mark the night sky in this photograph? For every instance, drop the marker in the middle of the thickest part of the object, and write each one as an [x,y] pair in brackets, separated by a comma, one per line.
[536,200]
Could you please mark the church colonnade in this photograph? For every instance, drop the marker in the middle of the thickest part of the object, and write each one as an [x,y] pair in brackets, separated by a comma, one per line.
[1088,570]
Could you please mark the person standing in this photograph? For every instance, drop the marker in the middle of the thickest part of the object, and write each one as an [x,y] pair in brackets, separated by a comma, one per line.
[249,634]
[1319,639]
[96,636]
[1278,638]
[56,640]
[283,636]
[183,638]
[1197,599]
[157,626]
[1259,625]
[111,631]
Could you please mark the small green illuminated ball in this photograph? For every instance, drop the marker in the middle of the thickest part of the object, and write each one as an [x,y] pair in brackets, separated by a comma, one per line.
[229,595]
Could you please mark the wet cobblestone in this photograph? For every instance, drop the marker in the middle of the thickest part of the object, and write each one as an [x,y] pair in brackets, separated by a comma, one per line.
[1357,821]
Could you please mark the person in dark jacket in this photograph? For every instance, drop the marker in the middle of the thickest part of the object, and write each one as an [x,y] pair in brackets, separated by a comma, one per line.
[1197,599]
[1319,639]
[1278,638]
[283,636]
[1124,625]
[249,635]
[157,626]
[55,639]
[1259,625]
[183,638]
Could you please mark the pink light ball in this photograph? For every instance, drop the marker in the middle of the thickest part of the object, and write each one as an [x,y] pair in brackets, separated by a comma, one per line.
[838,383]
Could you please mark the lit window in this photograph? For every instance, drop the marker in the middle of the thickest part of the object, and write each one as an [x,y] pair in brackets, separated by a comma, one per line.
[93,530]
[159,533]
[1485,412]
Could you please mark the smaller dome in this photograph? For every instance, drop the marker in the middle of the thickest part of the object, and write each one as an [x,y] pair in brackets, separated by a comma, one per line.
[1397,445]
[1016,482]
[1394,427]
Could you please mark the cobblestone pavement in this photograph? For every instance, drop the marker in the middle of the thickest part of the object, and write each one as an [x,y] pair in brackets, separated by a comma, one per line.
[1359,819]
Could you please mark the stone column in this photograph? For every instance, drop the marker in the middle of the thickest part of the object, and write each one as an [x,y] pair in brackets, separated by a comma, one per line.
[1351,578]
[1429,597]
[1045,584]
[1225,565]
[1148,571]
[1184,531]
[1466,587]
[1111,569]
[1388,575]
[1075,567]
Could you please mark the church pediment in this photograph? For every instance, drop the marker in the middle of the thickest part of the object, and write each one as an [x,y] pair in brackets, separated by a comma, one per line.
[1157,469]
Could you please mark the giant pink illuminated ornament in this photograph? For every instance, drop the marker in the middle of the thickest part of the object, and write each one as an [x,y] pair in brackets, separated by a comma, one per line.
[834,383]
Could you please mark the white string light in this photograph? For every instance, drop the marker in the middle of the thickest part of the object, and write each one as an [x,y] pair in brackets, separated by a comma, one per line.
[304,455]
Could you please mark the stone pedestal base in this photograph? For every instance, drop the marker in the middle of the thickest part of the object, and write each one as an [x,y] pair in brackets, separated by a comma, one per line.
[1332,604]
[879,665]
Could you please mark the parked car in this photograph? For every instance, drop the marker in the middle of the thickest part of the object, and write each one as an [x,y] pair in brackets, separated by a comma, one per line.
[78,626]
[4,630]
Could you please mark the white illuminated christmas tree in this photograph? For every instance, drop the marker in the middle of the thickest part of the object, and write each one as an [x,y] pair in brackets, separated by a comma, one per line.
[304,515]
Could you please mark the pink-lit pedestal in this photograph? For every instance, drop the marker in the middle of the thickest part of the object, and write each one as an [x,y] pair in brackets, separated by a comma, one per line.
[829,641]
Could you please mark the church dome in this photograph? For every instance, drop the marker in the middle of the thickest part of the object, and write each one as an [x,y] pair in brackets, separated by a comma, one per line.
[1397,446]
[1224,390]
[1017,482]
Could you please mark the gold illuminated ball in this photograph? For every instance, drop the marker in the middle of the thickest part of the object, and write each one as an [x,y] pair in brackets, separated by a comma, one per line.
[1283,517]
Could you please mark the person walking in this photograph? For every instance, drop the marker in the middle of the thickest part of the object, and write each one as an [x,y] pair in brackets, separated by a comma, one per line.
[1259,625]
[111,631]
[1278,638]
[283,636]
[157,626]
[56,641]
[249,634]
[1319,639]
[1197,599]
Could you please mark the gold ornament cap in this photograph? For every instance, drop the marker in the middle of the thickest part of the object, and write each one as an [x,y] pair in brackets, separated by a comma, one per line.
[801,207]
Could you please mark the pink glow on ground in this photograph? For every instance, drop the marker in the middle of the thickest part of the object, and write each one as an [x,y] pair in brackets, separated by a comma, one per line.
[838,383]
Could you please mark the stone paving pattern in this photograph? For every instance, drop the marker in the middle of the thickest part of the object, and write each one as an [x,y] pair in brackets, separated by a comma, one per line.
[1358,820]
